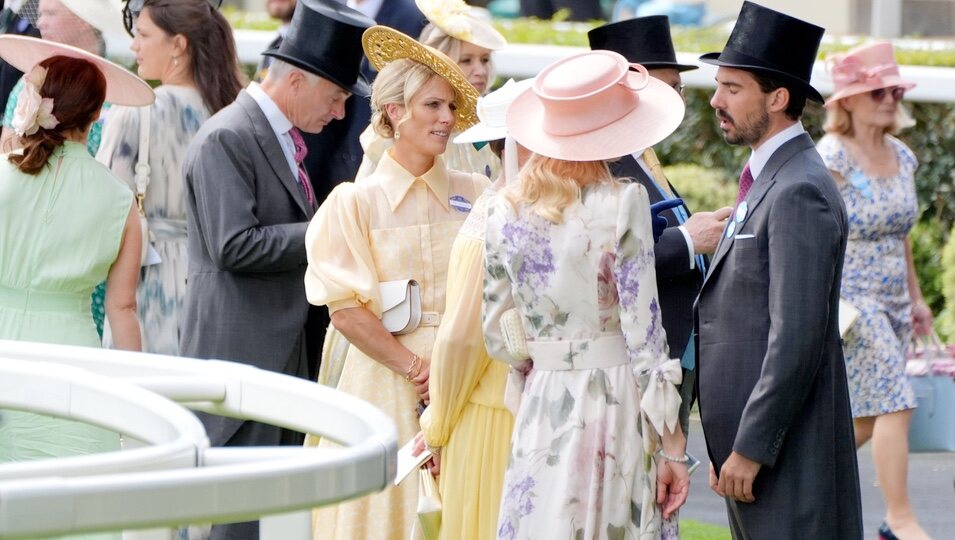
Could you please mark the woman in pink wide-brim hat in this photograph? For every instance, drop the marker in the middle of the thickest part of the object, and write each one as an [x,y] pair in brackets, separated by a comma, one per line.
[571,250]
[876,176]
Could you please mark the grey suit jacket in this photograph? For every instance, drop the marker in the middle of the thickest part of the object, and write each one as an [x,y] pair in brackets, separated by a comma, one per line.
[772,380]
[246,214]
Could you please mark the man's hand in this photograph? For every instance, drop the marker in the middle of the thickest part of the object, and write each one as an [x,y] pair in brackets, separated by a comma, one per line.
[737,476]
[714,482]
[705,229]
[659,222]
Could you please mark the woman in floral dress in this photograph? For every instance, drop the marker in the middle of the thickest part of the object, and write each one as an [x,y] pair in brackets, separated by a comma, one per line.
[876,176]
[188,46]
[571,250]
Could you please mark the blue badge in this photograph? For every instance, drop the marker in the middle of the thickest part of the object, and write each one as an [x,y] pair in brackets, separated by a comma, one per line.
[741,212]
[860,182]
[460,204]
[730,229]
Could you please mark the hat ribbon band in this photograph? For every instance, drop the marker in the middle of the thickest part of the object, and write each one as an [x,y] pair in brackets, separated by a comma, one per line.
[851,71]
[603,108]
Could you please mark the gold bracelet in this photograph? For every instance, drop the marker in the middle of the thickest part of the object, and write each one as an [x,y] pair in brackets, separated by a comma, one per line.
[414,369]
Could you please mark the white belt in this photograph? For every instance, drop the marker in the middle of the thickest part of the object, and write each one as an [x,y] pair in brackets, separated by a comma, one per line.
[430,318]
[562,355]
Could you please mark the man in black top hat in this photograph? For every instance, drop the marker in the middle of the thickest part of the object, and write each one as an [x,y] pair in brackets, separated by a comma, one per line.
[773,394]
[680,253]
[248,204]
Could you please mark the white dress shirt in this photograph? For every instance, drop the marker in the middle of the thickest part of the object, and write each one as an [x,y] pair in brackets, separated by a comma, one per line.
[278,121]
[761,155]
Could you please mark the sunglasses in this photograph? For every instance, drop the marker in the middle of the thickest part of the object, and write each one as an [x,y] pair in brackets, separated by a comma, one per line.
[897,92]
[133,7]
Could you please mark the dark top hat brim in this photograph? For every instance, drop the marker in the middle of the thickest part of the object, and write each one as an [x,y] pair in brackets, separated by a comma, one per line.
[669,65]
[359,88]
[728,59]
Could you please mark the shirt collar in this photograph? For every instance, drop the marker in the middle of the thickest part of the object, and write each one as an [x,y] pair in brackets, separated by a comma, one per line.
[760,156]
[399,181]
[277,119]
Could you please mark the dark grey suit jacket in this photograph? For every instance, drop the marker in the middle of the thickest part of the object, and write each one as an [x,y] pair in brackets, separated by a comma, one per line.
[246,214]
[772,380]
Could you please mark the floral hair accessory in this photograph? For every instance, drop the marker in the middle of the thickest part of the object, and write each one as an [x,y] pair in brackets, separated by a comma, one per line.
[33,111]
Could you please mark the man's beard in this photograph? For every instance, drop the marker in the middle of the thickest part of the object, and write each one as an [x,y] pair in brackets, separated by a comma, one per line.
[748,132]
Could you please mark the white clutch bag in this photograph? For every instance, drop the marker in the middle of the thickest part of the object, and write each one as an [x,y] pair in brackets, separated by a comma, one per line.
[400,305]
[847,315]
[514,338]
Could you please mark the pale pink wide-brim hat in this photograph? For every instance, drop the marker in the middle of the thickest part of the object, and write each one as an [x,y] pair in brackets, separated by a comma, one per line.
[864,69]
[122,86]
[592,106]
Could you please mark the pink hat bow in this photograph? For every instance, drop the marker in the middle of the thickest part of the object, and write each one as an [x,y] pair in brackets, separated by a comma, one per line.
[851,70]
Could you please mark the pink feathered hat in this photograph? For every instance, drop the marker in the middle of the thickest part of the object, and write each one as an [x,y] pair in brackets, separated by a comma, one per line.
[594,106]
[864,69]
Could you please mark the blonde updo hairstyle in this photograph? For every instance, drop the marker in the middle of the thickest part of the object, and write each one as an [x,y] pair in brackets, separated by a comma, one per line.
[432,36]
[397,82]
[548,186]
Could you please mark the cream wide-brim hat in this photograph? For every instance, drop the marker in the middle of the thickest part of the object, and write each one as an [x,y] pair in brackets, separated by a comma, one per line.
[592,107]
[492,113]
[460,21]
[384,45]
[103,15]
[122,86]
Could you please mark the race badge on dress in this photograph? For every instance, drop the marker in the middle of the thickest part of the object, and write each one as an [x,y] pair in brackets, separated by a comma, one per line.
[460,204]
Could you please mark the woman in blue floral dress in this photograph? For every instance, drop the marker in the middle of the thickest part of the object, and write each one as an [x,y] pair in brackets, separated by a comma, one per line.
[571,250]
[876,176]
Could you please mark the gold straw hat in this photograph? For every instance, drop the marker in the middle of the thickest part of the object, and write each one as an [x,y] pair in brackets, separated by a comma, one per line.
[383,45]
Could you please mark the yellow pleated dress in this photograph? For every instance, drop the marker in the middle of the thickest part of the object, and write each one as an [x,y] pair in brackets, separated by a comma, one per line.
[467,416]
[390,226]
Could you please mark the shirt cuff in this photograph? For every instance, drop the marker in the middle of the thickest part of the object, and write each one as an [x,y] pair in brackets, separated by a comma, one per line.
[689,246]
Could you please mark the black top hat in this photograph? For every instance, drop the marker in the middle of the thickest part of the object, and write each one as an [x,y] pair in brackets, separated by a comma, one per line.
[324,38]
[774,44]
[644,40]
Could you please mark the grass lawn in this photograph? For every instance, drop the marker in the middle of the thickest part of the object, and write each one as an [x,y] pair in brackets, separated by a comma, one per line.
[694,530]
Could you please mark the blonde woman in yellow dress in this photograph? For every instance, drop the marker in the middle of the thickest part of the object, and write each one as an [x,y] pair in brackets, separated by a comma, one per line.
[467,423]
[398,223]
[459,31]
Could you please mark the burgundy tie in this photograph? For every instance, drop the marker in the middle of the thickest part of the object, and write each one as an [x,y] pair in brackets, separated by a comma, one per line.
[745,182]
[300,152]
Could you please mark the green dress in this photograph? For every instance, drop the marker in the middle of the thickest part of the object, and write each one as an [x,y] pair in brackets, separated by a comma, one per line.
[59,236]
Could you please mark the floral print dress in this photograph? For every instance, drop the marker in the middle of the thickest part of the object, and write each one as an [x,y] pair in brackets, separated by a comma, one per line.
[601,387]
[874,278]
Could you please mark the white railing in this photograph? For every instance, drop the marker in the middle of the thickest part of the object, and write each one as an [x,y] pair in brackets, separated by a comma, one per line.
[171,476]
[522,61]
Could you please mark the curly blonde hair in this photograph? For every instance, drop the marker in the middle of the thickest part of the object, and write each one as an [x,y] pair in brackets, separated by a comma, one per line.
[397,82]
[548,186]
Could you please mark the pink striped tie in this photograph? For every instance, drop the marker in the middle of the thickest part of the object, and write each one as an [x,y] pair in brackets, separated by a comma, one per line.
[745,182]
[300,152]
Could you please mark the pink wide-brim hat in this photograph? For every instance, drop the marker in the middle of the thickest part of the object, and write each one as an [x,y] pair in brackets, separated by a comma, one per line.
[864,69]
[594,106]
[123,87]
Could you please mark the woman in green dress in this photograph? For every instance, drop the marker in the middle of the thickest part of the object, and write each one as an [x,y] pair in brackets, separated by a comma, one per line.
[66,224]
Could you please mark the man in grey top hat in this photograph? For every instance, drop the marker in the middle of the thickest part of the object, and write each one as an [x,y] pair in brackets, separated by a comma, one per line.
[774,398]
[248,202]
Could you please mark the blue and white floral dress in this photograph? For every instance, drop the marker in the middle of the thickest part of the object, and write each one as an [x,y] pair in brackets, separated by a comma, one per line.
[874,277]
[601,386]
[175,118]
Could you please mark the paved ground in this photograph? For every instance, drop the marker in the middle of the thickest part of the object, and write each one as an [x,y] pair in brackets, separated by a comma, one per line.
[931,486]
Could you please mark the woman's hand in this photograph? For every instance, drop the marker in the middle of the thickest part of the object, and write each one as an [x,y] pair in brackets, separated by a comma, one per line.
[921,319]
[434,464]
[420,381]
[673,485]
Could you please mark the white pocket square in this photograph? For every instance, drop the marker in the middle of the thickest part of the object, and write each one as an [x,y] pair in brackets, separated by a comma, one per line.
[744,237]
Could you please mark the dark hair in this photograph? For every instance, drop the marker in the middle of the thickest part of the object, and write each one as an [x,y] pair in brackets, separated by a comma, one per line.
[78,89]
[797,96]
[497,146]
[211,49]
